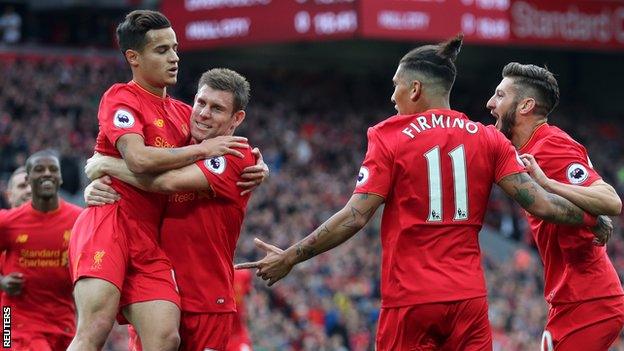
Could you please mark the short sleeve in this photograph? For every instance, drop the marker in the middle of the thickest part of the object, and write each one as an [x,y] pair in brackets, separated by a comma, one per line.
[566,161]
[375,176]
[224,172]
[119,114]
[506,159]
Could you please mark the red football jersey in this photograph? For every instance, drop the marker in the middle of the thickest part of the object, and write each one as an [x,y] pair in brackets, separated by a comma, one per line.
[162,122]
[574,268]
[435,171]
[199,234]
[242,287]
[36,246]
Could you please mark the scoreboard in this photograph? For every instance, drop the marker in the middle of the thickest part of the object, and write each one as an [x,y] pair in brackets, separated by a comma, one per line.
[596,24]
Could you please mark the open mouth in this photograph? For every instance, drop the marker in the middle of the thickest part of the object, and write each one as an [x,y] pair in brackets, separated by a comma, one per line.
[47,183]
[173,71]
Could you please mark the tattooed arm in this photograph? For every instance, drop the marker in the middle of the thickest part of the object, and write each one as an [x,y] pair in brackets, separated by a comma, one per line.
[335,231]
[148,159]
[551,207]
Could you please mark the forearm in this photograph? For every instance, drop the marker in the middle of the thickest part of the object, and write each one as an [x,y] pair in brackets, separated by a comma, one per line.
[157,160]
[598,199]
[117,168]
[335,231]
[561,211]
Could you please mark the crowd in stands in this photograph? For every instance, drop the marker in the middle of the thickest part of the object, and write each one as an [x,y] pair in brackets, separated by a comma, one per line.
[312,133]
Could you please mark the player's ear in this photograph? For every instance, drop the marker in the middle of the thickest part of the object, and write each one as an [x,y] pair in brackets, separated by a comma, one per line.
[239,116]
[132,57]
[527,106]
[416,90]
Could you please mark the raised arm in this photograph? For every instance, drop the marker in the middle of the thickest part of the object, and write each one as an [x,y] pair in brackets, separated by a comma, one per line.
[143,159]
[335,231]
[552,207]
[599,198]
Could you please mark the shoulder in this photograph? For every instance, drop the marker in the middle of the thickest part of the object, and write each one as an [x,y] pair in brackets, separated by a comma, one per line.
[391,123]
[120,91]
[557,140]
[218,165]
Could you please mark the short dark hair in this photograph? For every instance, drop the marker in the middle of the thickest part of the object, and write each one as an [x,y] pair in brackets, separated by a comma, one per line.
[131,32]
[43,153]
[536,82]
[227,80]
[18,170]
[435,61]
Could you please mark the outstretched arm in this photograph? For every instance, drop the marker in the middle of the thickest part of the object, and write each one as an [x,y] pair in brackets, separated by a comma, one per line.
[335,231]
[598,199]
[551,207]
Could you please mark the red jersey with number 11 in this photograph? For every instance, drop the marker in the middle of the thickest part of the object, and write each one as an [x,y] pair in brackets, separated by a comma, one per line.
[435,171]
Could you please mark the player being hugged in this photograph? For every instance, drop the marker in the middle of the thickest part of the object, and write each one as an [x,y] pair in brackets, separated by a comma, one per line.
[584,292]
[116,262]
[35,279]
[204,214]
[433,168]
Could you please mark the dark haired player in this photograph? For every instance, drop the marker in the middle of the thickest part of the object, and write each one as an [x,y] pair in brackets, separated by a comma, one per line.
[582,288]
[434,169]
[116,262]
[35,277]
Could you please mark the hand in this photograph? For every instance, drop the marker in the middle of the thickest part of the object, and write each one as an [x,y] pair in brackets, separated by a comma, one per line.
[535,171]
[272,267]
[93,168]
[254,175]
[100,192]
[602,230]
[223,145]
[12,283]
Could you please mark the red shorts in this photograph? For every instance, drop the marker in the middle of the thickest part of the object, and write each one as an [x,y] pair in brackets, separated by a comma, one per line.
[24,341]
[589,325]
[450,326]
[198,331]
[108,244]
[239,343]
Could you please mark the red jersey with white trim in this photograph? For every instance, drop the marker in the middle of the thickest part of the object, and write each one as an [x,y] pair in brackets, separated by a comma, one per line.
[574,268]
[435,171]
[36,246]
[199,234]
[162,122]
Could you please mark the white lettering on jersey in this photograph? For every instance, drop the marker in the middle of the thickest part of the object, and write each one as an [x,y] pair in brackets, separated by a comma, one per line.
[438,122]
[577,173]
[123,119]
[215,165]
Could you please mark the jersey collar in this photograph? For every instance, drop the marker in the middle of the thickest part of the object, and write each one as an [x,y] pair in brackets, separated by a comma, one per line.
[538,134]
[147,93]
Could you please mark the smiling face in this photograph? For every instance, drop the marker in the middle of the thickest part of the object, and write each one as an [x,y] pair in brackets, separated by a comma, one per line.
[44,177]
[157,62]
[503,105]
[213,114]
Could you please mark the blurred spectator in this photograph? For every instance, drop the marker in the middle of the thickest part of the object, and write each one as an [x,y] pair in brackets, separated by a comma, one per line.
[11,26]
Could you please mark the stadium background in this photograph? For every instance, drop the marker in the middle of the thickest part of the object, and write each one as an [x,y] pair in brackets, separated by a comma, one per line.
[321,73]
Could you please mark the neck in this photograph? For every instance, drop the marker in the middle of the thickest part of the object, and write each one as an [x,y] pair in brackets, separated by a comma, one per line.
[522,132]
[158,91]
[435,102]
[45,204]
